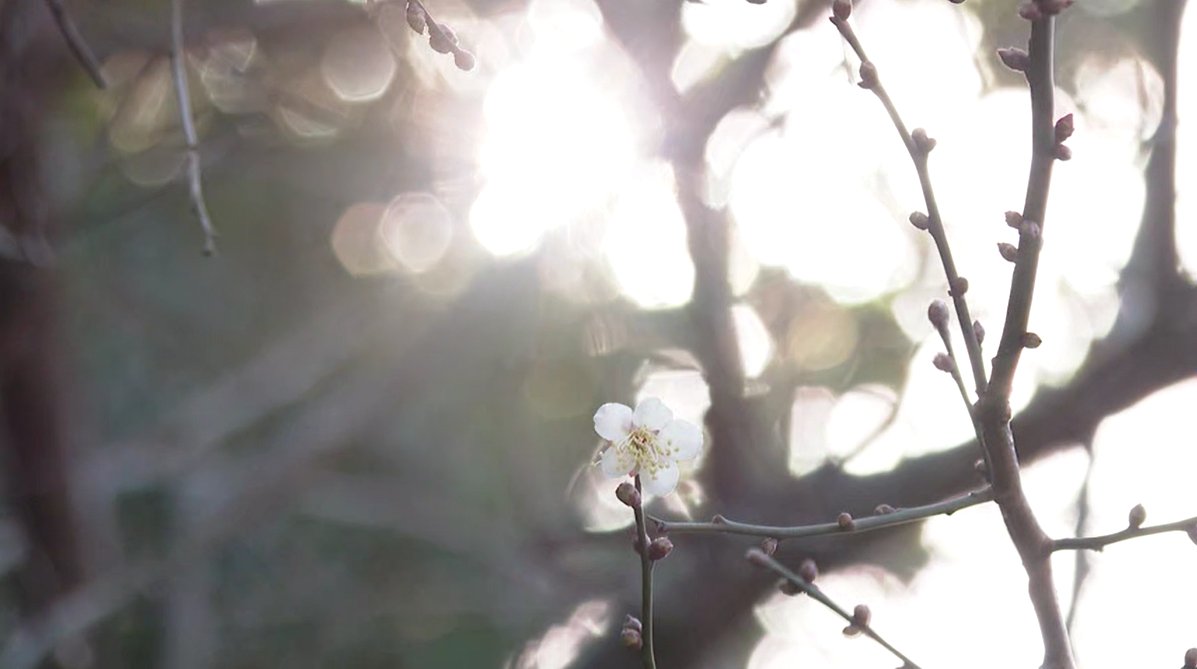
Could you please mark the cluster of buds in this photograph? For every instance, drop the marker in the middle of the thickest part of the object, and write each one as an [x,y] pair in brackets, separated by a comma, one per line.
[860,620]
[630,633]
[441,37]
[1063,131]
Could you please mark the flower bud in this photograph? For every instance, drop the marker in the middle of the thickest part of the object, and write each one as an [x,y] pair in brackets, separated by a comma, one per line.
[861,615]
[938,314]
[628,494]
[852,630]
[868,75]
[757,557]
[659,548]
[631,621]
[464,60]
[769,545]
[1137,515]
[922,142]
[631,638]
[718,519]
[441,38]
[958,287]
[1064,128]
[1030,229]
[1191,658]
[842,9]
[844,520]
[416,17]
[1009,251]
[1030,10]
[919,220]
[1031,340]
[883,509]
[979,332]
[1013,219]
[808,570]
[1014,58]
[943,362]
[1063,153]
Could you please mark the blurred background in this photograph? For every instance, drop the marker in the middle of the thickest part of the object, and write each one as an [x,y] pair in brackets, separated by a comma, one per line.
[360,435]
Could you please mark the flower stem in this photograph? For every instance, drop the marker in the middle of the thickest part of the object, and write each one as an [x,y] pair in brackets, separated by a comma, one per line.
[646,587]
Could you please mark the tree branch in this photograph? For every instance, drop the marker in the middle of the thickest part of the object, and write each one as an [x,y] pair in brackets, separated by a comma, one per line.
[178,60]
[957,286]
[646,586]
[78,45]
[1188,525]
[721,525]
[855,621]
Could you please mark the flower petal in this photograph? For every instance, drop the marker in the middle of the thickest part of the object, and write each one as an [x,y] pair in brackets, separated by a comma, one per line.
[664,482]
[652,413]
[613,465]
[613,421]
[683,439]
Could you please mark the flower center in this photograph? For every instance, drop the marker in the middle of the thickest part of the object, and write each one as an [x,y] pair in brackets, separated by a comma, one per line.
[644,449]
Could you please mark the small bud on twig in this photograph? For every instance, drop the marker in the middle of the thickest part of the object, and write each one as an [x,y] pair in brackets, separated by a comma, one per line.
[1135,518]
[757,557]
[464,60]
[631,638]
[1064,128]
[441,38]
[979,332]
[959,287]
[938,314]
[1014,58]
[1191,658]
[1013,219]
[628,494]
[416,17]
[769,545]
[808,570]
[842,9]
[631,621]
[919,220]
[868,75]
[659,548]
[1009,251]
[844,520]
[718,519]
[1063,153]
[1031,340]
[1030,229]
[861,616]
[943,362]
[883,509]
[922,142]
[1030,10]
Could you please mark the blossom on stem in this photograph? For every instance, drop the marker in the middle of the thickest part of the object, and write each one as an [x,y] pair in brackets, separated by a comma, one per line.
[647,442]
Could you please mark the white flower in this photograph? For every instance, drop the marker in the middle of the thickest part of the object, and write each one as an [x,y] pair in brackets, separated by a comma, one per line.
[647,442]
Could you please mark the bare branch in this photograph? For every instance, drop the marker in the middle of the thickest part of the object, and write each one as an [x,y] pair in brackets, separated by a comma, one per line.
[919,151]
[75,41]
[1188,525]
[178,59]
[857,621]
[721,525]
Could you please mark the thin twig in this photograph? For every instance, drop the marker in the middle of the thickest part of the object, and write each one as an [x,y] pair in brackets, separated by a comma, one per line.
[1100,542]
[759,557]
[77,44]
[956,287]
[721,525]
[178,60]
[646,587]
